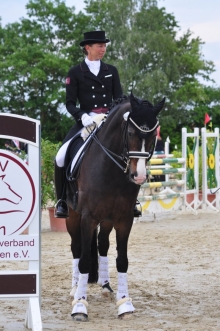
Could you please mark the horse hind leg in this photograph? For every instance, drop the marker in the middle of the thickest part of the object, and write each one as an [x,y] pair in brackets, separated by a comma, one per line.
[75,276]
[88,256]
[104,278]
[79,311]
[103,269]
[73,228]
[79,281]
[124,302]
[93,272]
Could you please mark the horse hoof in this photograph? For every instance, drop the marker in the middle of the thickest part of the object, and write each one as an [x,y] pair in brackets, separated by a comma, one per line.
[80,317]
[79,312]
[126,316]
[125,308]
[107,292]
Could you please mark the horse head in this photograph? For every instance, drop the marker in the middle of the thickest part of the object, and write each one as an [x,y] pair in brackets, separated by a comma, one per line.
[142,123]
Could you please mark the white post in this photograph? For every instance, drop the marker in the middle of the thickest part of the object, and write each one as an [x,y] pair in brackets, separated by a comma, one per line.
[205,190]
[25,181]
[194,204]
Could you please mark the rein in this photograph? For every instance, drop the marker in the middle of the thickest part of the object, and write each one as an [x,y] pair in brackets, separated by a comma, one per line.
[125,157]
[111,154]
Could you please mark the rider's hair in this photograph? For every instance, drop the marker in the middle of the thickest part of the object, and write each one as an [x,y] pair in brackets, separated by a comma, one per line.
[84,49]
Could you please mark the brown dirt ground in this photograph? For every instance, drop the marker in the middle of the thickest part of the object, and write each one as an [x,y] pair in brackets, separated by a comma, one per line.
[174,278]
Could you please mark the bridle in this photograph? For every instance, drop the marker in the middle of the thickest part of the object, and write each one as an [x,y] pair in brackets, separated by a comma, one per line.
[142,131]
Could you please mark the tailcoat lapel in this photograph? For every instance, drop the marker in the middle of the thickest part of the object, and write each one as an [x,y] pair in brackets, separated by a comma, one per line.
[103,70]
[87,73]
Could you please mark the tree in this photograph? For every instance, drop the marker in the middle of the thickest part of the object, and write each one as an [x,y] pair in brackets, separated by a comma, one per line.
[147,53]
[210,105]
[35,55]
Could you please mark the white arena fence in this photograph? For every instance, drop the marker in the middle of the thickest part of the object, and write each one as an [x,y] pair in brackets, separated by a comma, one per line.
[191,181]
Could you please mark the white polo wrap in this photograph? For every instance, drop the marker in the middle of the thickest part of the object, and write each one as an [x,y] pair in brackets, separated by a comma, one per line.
[122,286]
[103,271]
[81,291]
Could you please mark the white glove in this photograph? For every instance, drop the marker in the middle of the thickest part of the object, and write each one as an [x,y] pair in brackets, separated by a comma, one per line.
[86,120]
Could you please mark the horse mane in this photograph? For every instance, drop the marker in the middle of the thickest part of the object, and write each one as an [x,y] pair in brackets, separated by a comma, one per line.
[141,111]
[118,101]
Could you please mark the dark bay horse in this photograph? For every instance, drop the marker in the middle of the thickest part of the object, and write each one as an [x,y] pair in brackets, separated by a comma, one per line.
[112,170]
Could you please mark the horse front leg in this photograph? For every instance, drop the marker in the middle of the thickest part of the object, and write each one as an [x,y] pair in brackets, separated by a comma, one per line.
[80,304]
[124,302]
[103,247]
[73,228]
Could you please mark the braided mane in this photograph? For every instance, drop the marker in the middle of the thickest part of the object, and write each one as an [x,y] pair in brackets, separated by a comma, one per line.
[118,101]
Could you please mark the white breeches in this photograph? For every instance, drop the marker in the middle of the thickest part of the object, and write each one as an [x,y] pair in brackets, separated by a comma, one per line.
[60,157]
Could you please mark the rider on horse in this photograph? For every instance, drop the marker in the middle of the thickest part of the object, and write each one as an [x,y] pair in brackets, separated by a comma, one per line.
[94,84]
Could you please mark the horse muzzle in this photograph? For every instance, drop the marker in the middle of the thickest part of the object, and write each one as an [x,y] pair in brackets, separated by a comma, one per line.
[139,180]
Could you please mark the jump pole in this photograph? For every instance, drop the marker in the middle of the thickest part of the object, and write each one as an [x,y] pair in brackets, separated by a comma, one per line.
[20,208]
[167,199]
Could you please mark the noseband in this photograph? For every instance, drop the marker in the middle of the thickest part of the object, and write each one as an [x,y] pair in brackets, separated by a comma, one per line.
[143,132]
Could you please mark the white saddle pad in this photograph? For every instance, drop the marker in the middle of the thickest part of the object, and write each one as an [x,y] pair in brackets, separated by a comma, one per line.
[97,118]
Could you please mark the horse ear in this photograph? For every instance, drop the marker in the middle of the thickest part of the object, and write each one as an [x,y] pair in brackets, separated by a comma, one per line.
[134,102]
[159,106]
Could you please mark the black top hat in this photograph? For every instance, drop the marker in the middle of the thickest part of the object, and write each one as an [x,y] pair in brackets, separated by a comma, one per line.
[93,37]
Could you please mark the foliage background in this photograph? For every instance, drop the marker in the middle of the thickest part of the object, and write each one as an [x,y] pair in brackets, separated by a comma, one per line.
[48,153]
[37,52]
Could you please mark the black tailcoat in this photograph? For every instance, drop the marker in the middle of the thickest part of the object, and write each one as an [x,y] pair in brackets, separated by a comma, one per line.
[90,91]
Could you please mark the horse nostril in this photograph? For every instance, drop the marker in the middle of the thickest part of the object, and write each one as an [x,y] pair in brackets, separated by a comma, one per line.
[134,174]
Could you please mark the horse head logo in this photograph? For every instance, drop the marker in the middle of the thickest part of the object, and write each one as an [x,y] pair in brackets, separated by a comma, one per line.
[7,194]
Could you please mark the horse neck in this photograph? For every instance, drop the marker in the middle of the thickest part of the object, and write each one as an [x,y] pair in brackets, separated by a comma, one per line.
[111,135]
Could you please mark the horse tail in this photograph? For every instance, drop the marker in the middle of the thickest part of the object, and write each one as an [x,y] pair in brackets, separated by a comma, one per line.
[93,272]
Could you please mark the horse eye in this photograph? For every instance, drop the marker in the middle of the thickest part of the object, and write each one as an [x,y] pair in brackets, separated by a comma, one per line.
[130,134]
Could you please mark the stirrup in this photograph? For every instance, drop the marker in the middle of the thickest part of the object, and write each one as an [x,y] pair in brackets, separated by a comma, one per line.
[137,213]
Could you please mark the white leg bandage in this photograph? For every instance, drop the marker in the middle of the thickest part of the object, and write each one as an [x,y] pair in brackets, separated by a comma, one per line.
[124,303]
[75,272]
[75,276]
[122,286]
[103,271]
[81,291]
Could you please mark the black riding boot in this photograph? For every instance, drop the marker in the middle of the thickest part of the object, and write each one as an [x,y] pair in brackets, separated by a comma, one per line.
[61,208]
[137,213]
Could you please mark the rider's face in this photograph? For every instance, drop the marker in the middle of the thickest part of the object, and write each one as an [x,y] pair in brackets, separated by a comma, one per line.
[96,51]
